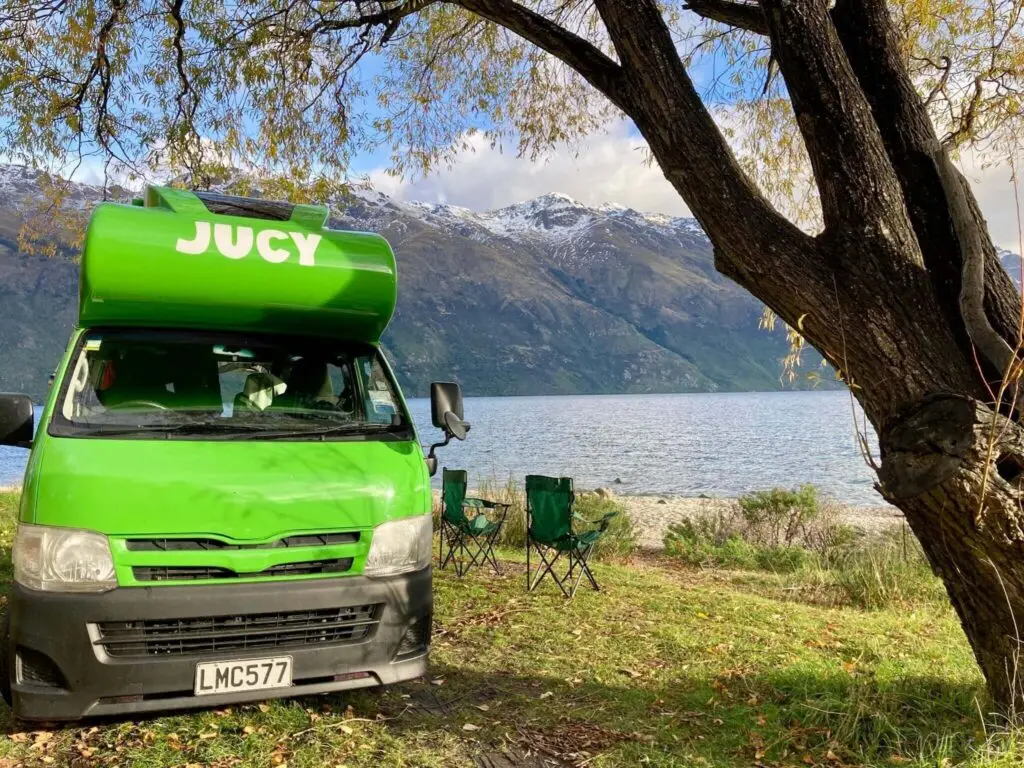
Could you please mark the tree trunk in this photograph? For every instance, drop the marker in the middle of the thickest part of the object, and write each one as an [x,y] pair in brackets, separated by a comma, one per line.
[954,468]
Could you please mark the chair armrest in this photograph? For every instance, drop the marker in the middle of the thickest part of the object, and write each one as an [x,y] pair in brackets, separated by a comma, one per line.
[481,504]
[602,522]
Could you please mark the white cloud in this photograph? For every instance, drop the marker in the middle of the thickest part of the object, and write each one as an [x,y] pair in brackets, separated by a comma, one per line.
[612,168]
[607,168]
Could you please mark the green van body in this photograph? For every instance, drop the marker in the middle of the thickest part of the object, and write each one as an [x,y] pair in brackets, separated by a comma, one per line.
[219,544]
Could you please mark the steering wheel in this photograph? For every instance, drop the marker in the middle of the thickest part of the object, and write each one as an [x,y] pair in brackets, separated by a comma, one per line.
[135,403]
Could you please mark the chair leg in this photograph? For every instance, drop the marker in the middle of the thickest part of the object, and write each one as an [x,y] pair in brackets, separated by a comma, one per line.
[455,539]
[445,537]
[581,558]
[548,568]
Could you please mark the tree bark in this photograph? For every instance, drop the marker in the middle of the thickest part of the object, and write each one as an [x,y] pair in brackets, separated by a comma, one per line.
[954,468]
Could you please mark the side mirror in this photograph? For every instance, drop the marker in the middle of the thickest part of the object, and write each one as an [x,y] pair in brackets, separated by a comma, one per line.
[16,420]
[455,426]
[446,413]
[445,396]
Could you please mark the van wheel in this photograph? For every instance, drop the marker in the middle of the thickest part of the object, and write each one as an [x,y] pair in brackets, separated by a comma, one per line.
[5,658]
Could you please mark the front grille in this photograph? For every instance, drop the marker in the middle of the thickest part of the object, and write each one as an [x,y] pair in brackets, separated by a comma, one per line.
[199,544]
[243,632]
[195,572]
[311,568]
[179,573]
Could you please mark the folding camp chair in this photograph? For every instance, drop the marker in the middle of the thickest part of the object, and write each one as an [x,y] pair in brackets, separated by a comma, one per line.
[549,532]
[470,537]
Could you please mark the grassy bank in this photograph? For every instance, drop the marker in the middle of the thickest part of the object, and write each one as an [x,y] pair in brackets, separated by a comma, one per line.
[669,666]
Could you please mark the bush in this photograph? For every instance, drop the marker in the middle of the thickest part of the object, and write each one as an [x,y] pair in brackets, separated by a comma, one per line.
[779,517]
[689,541]
[795,533]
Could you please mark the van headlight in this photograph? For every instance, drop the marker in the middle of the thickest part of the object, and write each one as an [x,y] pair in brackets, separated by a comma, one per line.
[400,546]
[62,559]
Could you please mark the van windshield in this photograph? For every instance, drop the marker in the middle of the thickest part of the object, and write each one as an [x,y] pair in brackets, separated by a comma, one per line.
[226,386]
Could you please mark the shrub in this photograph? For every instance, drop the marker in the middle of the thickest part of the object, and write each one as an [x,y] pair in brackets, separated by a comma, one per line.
[689,541]
[778,516]
[795,533]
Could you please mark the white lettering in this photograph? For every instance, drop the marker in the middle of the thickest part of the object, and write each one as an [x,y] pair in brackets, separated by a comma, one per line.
[267,251]
[234,248]
[307,247]
[237,242]
[199,243]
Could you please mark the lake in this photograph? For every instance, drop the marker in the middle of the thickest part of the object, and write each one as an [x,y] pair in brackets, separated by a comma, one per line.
[714,444]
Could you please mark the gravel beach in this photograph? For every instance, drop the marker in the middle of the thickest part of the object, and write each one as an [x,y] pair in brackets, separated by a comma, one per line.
[652,515]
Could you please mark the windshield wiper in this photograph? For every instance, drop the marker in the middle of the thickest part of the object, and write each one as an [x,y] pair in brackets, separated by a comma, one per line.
[196,427]
[229,430]
[364,428]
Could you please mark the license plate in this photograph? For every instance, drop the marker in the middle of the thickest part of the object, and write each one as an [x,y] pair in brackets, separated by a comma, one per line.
[248,675]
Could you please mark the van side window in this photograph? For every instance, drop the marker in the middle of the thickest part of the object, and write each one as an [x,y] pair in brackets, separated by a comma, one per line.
[379,396]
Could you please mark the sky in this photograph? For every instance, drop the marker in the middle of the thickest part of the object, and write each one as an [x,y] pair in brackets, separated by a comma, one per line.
[612,168]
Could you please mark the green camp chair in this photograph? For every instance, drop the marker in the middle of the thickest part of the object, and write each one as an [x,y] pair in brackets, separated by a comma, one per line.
[549,531]
[471,537]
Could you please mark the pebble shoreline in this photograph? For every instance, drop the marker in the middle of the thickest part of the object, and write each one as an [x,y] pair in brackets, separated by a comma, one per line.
[652,515]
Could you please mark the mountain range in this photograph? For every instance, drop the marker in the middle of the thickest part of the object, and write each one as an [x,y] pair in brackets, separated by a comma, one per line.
[548,296]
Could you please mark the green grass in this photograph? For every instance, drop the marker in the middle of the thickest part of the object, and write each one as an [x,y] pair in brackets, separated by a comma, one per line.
[667,666]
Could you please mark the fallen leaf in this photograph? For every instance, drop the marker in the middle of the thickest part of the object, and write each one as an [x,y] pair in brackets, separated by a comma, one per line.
[248,730]
[482,707]
[546,695]
[208,735]
[632,673]
[347,730]
[264,708]
[439,681]
[470,727]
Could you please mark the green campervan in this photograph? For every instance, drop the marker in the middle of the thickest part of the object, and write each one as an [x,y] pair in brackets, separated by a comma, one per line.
[226,499]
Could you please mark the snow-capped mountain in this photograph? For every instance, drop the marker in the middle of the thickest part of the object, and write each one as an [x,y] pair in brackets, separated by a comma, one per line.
[545,296]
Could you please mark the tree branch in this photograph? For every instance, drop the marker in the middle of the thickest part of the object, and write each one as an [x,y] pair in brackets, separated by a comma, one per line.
[872,47]
[389,18]
[748,16]
[858,186]
[598,69]
[990,344]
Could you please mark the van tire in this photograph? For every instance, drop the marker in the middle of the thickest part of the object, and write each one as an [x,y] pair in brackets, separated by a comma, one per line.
[5,657]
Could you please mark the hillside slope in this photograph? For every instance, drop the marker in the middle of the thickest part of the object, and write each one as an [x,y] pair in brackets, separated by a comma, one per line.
[545,297]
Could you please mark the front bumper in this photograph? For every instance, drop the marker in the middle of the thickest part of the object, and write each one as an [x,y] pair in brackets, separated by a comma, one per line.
[59,671]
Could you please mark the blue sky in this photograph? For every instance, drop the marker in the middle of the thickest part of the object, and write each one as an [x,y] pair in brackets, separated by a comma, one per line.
[610,166]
